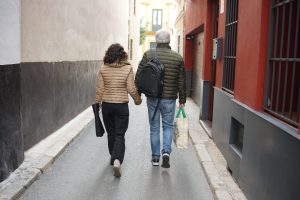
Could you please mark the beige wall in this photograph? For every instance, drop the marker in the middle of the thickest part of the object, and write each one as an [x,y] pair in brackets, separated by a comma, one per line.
[72,30]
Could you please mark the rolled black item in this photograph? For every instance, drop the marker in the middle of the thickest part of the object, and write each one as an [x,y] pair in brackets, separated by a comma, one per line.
[98,124]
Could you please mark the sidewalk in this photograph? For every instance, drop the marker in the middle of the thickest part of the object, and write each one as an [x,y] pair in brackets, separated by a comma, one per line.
[40,157]
[212,161]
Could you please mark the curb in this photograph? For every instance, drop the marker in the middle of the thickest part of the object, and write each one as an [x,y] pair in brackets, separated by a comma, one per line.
[41,156]
[211,159]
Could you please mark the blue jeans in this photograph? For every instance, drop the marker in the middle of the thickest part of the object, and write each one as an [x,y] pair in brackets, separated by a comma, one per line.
[166,109]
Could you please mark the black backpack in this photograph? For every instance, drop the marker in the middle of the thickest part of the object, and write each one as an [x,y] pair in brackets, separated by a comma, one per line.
[151,77]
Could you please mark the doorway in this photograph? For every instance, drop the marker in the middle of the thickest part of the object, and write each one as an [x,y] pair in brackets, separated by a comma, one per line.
[197,69]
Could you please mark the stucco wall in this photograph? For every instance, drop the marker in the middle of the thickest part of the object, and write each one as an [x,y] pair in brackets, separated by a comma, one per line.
[72,30]
[10,32]
[252,36]
[194,14]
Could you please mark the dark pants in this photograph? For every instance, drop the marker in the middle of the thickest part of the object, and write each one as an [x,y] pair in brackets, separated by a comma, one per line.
[116,118]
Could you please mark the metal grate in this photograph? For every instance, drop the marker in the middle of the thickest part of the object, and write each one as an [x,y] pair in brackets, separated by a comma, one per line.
[230,45]
[283,71]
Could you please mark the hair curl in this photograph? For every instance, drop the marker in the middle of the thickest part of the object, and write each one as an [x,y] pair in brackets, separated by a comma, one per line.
[115,53]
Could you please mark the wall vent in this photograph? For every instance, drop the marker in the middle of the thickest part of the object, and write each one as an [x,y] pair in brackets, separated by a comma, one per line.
[236,136]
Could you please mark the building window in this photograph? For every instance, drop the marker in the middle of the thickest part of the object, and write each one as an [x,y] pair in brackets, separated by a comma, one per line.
[156,20]
[230,45]
[178,44]
[283,71]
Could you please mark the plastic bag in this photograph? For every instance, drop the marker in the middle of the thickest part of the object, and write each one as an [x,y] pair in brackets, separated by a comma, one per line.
[181,130]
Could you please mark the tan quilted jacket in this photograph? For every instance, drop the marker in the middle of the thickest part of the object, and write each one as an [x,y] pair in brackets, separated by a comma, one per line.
[114,83]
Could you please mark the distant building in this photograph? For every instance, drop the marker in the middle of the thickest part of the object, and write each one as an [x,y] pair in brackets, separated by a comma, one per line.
[155,15]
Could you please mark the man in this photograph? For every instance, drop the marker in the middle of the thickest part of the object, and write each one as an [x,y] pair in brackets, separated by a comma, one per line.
[174,83]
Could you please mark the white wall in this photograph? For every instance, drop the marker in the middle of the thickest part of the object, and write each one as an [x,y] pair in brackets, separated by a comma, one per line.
[134,34]
[72,30]
[178,30]
[10,52]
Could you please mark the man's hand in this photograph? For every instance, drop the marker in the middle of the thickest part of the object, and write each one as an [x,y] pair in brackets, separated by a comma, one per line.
[181,105]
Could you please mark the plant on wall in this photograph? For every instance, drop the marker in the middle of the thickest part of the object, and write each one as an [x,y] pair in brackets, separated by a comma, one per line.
[142,35]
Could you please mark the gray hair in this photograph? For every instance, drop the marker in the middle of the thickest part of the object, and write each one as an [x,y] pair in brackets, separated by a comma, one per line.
[162,36]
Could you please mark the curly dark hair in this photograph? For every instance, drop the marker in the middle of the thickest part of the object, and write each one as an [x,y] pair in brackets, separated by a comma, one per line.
[115,53]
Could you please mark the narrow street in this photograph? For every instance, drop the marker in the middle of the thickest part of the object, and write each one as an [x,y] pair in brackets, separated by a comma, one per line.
[83,170]
[237,63]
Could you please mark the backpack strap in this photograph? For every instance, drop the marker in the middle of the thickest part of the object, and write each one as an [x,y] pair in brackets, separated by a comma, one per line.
[156,108]
[154,55]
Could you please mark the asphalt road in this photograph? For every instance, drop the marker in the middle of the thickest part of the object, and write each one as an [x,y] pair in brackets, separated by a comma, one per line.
[83,172]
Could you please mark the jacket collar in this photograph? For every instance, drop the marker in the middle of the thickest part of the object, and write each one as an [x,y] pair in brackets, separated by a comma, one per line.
[118,64]
[163,45]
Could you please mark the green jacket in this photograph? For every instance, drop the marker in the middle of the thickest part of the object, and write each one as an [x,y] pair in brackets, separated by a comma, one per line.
[174,80]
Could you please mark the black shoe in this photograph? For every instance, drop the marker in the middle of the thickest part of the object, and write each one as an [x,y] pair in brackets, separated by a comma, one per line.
[155,162]
[166,160]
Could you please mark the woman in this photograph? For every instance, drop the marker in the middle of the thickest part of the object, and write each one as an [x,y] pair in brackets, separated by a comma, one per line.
[115,81]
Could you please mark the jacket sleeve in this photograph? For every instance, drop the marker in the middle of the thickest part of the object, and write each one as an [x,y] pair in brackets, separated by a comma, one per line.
[132,89]
[99,88]
[181,83]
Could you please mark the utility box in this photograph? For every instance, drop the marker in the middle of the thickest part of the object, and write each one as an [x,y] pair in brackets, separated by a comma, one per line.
[217,48]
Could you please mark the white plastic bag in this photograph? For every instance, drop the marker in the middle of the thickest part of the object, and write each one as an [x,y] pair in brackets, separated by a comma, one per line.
[181,130]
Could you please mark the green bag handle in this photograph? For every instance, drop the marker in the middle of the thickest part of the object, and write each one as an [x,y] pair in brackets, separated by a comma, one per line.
[181,110]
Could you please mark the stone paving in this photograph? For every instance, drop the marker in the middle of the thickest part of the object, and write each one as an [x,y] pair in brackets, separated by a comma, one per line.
[39,160]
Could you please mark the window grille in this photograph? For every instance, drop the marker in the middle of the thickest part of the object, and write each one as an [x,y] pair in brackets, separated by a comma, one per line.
[283,71]
[230,45]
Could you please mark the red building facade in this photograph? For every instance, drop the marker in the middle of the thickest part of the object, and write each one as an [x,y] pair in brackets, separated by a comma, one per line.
[250,95]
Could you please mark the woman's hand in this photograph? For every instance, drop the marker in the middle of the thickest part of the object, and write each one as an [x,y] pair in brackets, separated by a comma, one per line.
[138,101]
